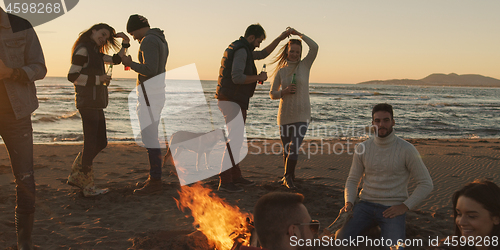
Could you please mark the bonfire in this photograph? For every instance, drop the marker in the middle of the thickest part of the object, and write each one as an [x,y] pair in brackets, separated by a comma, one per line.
[225,226]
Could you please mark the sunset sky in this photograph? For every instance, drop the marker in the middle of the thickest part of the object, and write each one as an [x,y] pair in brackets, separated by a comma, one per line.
[359,40]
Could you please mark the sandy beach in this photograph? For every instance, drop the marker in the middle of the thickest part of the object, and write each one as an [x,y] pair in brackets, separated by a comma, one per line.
[64,219]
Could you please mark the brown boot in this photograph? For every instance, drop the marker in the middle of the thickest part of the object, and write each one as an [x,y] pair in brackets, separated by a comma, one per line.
[151,186]
[78,177]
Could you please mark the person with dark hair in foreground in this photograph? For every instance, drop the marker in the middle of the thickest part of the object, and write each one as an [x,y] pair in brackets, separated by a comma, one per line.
[386,163]
[236,84]
[476,209]
[281,219]
[21,64]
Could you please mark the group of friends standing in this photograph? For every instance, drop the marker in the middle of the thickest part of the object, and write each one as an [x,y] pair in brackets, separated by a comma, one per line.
[385,166]
[238,78]
[91,81]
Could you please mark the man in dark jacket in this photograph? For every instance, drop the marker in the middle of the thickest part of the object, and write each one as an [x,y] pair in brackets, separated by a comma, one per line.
[236,84]
[153,54]
[21,64]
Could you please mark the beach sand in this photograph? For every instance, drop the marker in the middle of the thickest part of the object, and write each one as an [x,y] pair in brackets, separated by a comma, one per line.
[64,219]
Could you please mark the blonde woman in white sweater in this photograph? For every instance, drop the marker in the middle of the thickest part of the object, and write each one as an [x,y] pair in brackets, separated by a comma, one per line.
[294,112]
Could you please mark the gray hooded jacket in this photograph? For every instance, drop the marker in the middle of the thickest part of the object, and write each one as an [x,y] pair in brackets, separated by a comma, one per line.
[153,54]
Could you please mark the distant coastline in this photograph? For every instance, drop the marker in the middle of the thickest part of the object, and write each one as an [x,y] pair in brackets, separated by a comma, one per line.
[468,80]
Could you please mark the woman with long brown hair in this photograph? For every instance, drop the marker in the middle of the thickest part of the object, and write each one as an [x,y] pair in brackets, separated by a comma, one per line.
[476,209]
[294,115]
[91,82]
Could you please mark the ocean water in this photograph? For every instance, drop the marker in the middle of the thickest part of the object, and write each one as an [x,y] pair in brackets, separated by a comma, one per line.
[338,111]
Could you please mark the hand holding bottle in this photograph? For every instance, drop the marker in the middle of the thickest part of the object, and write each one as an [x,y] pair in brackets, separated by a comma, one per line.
[104,79]
[289,90]
[263,71]
[262,76]
[109,73]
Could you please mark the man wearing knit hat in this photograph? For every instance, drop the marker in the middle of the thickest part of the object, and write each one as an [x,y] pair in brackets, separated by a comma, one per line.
[386,163]
[153,53]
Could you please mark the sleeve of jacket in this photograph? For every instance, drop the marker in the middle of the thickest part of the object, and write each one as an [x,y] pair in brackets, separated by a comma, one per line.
[79,60]
[150,57]
[34,68]
[238,68]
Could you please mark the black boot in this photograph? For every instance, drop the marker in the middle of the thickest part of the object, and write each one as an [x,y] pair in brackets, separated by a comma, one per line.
[24,226]
[290,174]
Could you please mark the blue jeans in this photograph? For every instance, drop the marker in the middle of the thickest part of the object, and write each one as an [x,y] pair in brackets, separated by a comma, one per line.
[368,214]
[18,138]
[292,136]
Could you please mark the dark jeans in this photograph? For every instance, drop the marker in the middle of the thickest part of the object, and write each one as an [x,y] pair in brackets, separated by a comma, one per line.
[149,136]
[230,112]
[18,138]
[292,136]
[154,154]
[94,134]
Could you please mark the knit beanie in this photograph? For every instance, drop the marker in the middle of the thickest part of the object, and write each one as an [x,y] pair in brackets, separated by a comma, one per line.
[134,23]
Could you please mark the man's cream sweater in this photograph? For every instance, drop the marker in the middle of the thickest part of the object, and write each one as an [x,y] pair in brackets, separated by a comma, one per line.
[386,165]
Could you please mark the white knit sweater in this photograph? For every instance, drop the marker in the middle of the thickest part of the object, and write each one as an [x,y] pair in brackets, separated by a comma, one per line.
[296,107]
[386,165]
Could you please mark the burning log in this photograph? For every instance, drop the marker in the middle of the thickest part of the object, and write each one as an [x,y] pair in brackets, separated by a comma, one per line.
[248,237]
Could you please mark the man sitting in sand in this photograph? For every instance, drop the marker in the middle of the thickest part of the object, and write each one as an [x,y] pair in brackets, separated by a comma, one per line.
[386,163]
[283,222]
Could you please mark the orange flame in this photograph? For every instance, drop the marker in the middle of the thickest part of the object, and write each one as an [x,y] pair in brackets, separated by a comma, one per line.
[220,222]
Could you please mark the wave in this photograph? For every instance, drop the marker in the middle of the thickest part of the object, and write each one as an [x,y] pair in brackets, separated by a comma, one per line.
[53,118]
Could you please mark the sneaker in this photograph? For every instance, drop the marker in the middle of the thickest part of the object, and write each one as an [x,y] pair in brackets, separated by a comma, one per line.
[230,187]
[281,181]
[141,184]
[91,191]
[151,186]
[288,182]
[243,182]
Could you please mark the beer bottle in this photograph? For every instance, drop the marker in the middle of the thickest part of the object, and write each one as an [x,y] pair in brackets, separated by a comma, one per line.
[294,83]
[109,73]
[263,70]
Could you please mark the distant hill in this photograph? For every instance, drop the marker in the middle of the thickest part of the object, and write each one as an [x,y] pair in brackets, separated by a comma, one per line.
[468,80]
